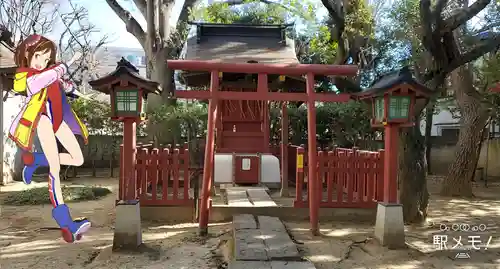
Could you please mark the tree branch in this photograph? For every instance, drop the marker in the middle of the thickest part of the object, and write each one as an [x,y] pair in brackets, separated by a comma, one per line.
[165,11]
[151,28]
[184,14]
[131,24]
[486,46]
[426,21]
[141,5]
[462,15]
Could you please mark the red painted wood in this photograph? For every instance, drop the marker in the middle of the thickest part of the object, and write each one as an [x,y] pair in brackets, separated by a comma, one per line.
[265,125]
[121,176]
[391,140]
[311,142]
[284,143]
[153,173]
[246,177]
[253,68]
[165,173]
[209,152]
[330,175]
[349,175]
[299,185]
[321,170]
[129,147]
[256,96]
[185,170]
[142,172]
[342,176]
[175,174]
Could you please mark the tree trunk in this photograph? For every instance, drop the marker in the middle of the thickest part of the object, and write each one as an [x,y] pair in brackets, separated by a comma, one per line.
[429,113]
[157,71]
[474,115]
[413,192]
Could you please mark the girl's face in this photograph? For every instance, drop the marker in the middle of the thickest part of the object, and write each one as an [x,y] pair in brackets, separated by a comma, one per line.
[40,59]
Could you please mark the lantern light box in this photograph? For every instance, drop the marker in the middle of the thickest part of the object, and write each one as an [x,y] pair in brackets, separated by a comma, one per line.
[128,91]
[393,98]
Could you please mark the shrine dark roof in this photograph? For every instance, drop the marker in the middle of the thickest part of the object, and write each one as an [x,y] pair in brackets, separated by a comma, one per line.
[124,69]
[7,64]
[392,80]
[240,43]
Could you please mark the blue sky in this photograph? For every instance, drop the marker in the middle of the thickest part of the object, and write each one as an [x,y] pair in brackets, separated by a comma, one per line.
[103,17]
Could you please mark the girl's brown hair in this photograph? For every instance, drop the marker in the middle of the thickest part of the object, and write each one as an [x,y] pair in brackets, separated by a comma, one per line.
[30,45]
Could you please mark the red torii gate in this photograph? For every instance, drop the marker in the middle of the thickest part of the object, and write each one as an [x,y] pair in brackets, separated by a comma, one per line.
[262,94]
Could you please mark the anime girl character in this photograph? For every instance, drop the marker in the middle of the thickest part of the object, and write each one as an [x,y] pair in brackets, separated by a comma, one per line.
[48,113]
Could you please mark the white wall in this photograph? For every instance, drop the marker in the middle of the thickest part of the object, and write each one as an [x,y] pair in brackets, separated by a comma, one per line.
[11,107]
[443,119]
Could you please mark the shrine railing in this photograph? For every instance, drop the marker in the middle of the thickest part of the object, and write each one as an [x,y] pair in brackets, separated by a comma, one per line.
[162,176]
[353,178]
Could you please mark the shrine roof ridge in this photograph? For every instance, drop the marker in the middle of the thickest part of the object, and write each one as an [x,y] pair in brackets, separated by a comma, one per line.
[125,68]
[249,25]
[392,79]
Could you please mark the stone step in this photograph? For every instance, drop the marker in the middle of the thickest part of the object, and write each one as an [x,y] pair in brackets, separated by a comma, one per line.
[268,241]
[260,198]
[237,197]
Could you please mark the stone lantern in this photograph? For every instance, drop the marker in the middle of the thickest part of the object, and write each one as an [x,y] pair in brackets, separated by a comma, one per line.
[128,92]
[393,98]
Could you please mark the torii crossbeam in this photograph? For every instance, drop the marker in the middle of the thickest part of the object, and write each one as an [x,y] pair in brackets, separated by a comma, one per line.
[262,93]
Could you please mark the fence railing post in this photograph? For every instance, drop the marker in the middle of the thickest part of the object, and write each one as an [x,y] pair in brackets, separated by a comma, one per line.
[299,175]
[380,175]
[121,176]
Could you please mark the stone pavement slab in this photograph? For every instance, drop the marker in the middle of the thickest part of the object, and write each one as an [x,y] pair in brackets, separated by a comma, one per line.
[237,197]
[266,240]
[244,221]
[270,265]
[249,245]
[260,198]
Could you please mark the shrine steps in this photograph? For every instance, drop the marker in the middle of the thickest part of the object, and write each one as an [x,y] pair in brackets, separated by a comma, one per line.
[263,242]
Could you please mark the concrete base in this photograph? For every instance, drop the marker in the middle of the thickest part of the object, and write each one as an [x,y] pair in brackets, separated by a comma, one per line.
[128,232]
[389,225]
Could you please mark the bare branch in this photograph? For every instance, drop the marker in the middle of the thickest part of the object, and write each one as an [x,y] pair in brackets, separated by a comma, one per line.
[462,15]
[131,24]
[141,5]
[440,5]
[25,17]
[426,20]
[151,28]
[165,11]
[486,46]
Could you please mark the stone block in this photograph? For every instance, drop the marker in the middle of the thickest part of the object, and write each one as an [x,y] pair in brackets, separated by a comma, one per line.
[128,232]
[389,225]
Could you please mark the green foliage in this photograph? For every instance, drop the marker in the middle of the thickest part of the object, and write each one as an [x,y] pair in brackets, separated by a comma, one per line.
[39,196]
[358,19]
[253,12]
[321,48]
[96,115]
[174,124]
[342,124]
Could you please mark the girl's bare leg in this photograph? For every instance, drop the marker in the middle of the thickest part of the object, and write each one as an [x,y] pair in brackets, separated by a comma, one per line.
[71,229]
[74,157]
[48,143]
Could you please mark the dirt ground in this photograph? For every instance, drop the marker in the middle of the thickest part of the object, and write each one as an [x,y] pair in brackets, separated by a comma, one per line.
[28,240]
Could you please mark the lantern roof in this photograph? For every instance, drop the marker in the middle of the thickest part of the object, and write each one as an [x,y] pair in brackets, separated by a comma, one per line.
[125,71]
[392,82]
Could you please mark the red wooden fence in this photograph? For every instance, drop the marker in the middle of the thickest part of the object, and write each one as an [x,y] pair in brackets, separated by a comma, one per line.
[162,176]
[353,178]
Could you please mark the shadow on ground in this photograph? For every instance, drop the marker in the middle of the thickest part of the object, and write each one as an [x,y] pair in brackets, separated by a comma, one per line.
[351,245]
